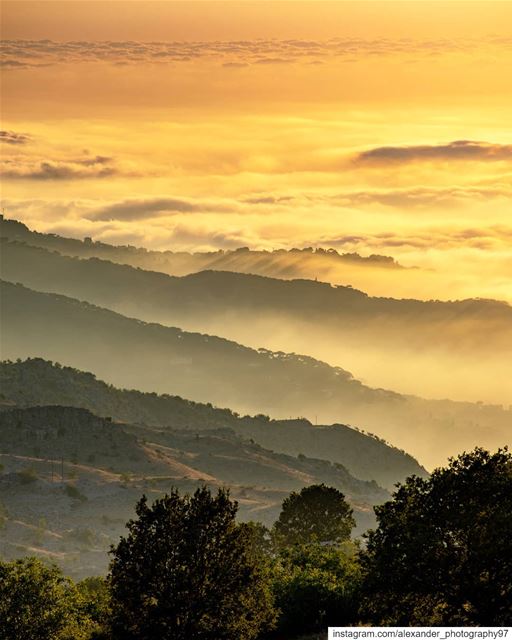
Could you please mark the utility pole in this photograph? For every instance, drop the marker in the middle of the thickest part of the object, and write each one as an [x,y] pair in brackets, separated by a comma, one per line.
[62,470]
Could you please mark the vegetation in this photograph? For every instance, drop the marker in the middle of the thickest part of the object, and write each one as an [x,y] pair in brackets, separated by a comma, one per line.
[37,382]
[71,491]
[38,603]
[442,551]
[316,514]
[440,555]
[315,586]
[4,515]
[185,571]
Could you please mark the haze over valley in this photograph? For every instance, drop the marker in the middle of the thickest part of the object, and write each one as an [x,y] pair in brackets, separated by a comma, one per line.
[434,346]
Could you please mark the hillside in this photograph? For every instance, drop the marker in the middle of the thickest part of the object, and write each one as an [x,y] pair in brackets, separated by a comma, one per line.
[293,263]
[70,479]
[150,357]
[37,382]
[434,345]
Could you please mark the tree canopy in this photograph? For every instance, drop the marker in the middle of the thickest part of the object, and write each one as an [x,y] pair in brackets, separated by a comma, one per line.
[38,603]
[442,552]
[316,514]
[187,570]
[315,586]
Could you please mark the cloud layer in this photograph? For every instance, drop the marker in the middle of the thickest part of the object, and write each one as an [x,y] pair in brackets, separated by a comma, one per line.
[232,54]
[11,137]
[457,150]
[27,168]
[143,208]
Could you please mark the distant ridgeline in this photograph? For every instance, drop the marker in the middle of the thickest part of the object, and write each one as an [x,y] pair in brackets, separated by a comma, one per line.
[241,260]
[38,382]
[159,297]
[134,354]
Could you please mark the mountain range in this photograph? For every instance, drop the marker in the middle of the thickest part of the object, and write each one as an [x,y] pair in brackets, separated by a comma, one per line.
[434,345]
[130,353]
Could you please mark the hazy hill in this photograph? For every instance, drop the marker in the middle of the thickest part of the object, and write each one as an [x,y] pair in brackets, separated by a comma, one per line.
[434,345]
[69,479]
[38,382]
[219,456]
[294,263]
[151,357]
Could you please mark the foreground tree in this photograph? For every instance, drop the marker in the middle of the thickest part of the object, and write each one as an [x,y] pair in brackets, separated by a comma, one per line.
[442,552]
[316,514]
[315,586]
[186,570]
[38,603]
[95,603]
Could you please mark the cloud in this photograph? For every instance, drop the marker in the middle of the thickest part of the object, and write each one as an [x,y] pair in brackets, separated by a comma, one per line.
[194,239]
[11,137]
[77,169]
[143,208]
[274,61]
[485,239]
[22,53]
[235,65]
[452,151]
[267,199]
[422,197]
[413,198]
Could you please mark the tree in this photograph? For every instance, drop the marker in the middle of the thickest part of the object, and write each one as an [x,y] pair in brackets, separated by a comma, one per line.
[259,540]
[316,514]
[95,595]
[442,552]
[186,570]
[315,586]
[38,603]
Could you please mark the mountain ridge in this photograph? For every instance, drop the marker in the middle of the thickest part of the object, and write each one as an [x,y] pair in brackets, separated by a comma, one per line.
[151,357]
[57,384]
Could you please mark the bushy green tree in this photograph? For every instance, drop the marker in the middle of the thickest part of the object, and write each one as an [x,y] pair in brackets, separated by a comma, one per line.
[186,570]
[316,514]
[38,603]
[315,586]
[95,604]
[442,551]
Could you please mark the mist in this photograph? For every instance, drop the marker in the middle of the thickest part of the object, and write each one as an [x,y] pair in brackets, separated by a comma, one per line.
[152,357]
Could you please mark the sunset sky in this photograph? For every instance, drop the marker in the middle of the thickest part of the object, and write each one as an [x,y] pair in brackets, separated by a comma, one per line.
[377,127]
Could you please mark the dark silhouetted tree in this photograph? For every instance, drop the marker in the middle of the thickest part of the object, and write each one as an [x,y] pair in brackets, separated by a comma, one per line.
[316,514]
[442,552]
[259,540]
[185,571]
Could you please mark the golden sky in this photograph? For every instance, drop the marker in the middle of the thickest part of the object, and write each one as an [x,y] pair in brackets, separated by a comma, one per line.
[377,127]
